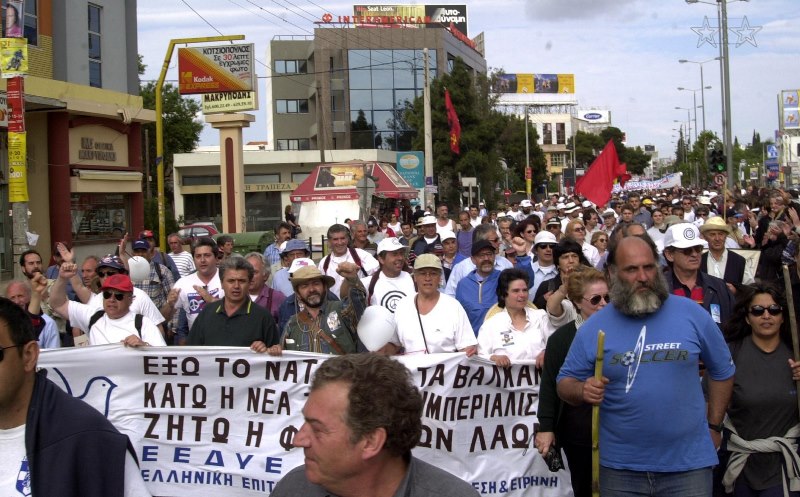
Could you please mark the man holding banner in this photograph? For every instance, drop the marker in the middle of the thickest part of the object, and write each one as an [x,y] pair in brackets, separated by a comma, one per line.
[362,418]
[52,443]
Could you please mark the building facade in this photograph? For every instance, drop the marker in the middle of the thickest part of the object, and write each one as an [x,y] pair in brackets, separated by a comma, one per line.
[83,117]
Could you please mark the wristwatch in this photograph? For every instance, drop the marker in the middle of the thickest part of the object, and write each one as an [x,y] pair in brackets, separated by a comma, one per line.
[717,428]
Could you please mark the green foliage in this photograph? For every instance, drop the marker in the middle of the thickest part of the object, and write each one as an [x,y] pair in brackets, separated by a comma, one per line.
[181,128]
[486,136]
[589,145]
[151,217]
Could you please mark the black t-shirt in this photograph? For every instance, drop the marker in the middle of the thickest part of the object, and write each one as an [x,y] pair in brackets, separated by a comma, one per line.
[764,404]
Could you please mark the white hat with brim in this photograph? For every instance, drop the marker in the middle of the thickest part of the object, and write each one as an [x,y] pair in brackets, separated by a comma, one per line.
[426,220]
[390,244]
[446,235]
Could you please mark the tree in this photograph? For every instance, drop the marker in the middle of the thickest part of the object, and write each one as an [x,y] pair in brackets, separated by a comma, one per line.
[589,145]
[486,136]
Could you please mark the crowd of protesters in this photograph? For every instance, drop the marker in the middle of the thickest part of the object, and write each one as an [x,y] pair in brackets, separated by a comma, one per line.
[513,285]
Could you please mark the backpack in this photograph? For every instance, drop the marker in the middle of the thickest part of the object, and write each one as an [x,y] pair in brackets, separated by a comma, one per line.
[353,254]
[137,321]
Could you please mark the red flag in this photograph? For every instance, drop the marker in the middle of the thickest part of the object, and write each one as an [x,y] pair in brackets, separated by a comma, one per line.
[598,181]
[452,120]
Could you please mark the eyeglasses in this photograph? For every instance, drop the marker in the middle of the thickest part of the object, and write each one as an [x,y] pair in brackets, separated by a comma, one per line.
[550,246]
[773,310]
[578,228]
[103,274]
[9,347]
[529,232]
[689,250]
[118,296]
[596,299]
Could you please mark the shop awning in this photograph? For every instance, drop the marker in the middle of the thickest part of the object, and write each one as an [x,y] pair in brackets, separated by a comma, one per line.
[340,181]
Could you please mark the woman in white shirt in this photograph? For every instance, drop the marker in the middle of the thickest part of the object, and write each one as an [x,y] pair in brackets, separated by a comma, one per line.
[518,333]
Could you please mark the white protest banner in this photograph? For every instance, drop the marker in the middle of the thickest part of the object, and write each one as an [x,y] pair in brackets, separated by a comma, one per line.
[668,181]
[220,420]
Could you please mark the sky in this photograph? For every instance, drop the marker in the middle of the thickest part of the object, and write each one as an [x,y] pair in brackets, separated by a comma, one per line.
[624,53]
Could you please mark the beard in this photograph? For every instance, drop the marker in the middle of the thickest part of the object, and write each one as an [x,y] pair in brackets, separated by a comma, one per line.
[313,300]
[638,299]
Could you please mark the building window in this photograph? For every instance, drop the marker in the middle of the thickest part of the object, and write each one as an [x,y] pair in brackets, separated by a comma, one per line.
[99,216]
[558,160]
[547,134]
[299,177]
[561,133]
[95,52]
[291,67]
[293,144]
[299,106]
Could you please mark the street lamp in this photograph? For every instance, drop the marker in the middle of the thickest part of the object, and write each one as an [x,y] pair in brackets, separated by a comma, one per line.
[702,83]
[722,16]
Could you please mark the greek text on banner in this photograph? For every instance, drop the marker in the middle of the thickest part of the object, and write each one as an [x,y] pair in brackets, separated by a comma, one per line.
[211,419]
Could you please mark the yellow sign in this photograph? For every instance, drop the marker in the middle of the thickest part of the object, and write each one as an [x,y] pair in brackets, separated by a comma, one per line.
[534,83]
[13,57]
[17,170]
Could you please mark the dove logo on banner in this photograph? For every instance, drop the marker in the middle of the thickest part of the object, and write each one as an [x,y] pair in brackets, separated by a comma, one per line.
[97,392]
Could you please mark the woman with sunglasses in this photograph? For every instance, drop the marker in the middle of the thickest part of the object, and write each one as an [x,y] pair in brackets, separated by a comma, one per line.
[587,290]
[527,229]
[600,242]
[763,404]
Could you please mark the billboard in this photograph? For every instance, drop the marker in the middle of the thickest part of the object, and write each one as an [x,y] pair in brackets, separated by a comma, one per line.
[534,83]
[231,101]
[791,111]
[216,69]
[411,166]
[594,116]
[410,16]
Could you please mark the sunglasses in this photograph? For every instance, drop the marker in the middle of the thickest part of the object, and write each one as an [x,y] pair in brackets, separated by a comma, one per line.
[773,310]
[530,231]
[604,240]
[550,246]
[117,296]
[103,274]
[9,347]
[690,250]
[578,228]
[596,299]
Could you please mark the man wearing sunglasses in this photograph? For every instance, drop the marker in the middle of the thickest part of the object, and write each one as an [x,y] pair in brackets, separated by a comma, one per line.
[683,249]
[117,324]
[43,429]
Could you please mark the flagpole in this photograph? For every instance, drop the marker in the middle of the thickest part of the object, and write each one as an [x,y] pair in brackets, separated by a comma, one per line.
[426,98]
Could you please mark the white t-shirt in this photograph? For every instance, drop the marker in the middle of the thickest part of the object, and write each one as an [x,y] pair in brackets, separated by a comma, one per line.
[107,330]
[368,263]
[498,336]
[388,291]
[191,301]
[14,468]
[445,329]
[450,226]
[142,304]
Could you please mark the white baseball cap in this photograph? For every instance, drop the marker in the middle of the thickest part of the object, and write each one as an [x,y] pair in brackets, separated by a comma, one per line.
[683,235]
[525,203]
[443,235]
[390,244]
[300,262]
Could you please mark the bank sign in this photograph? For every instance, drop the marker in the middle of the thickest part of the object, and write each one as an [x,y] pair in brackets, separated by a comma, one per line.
[220,68]
[411,16]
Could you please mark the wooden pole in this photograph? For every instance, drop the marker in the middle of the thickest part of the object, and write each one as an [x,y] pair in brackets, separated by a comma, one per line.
[598,374]
[787,282]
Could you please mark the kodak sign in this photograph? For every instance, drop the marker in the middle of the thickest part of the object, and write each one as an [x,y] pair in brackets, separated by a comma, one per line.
[220,68]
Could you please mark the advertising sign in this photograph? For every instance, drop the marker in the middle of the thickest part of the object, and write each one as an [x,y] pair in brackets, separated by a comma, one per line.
[231,101]
[791,113]
[407,16]
[222,420]
[220,68]
[534,83]
[15,101]
[594,116]
[772,169]
[17,169]
[411,167]
[13,57]
[15,12]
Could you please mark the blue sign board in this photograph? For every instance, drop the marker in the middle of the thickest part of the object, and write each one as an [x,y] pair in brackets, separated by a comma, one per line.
[411,166]
[772,152]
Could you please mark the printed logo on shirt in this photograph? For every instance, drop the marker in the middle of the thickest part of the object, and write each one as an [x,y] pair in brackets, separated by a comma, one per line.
[507,339]
[196,302]
[390,299]
[333,320]
[654,352]
[24,478]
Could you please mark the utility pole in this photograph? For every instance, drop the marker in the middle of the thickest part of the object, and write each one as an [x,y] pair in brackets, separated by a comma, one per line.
[17,151]
[426,99]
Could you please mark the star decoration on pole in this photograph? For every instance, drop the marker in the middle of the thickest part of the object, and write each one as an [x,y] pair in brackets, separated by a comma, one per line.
[706,33]
[746,33]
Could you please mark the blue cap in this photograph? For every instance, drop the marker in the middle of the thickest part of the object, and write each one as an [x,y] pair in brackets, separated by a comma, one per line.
[294,244]
[141,245]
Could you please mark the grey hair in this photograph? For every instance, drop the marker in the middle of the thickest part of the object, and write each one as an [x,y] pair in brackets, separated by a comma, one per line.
[237,264]
[260,257]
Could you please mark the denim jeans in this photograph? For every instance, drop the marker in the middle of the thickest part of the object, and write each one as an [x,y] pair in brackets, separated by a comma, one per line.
[624,483]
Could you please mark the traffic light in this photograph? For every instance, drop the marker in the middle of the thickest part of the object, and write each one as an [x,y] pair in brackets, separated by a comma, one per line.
[716,161]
